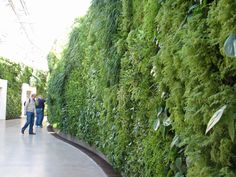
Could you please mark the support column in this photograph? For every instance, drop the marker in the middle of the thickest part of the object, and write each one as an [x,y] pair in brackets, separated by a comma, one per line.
[3,99]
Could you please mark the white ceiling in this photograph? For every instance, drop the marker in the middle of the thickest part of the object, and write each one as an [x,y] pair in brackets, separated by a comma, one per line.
[28,28]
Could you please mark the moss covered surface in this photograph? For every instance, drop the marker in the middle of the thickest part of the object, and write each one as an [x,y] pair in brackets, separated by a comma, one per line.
[132,64]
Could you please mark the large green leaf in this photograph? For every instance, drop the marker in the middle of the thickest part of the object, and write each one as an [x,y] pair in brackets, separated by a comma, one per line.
[178,163]
[230,46]
[179,175]
[157,124]
[215,118]
[175,141]
[231,128]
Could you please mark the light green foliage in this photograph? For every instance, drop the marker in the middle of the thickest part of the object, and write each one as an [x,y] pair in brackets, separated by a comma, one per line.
[130,63]
[17,74]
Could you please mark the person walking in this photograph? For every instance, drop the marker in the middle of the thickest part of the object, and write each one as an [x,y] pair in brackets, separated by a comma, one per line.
[40,111]
[30,112]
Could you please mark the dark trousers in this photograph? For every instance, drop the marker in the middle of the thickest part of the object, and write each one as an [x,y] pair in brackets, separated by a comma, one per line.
[29,122]
[39,120]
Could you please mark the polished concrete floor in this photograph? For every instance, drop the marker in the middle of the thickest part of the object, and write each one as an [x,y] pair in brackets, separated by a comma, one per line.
[40,155]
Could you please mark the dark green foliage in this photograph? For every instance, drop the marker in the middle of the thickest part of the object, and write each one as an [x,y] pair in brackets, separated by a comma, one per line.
[132,63]
[17,74]
[41,83]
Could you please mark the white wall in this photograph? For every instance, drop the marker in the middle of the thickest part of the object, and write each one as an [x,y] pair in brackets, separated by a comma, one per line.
[25,95]
[3,99]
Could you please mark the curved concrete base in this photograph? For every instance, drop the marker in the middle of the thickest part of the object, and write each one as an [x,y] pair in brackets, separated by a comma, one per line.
[97,156]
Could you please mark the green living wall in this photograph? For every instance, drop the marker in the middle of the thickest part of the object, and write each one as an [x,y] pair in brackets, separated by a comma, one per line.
[140,80]
[16,74]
